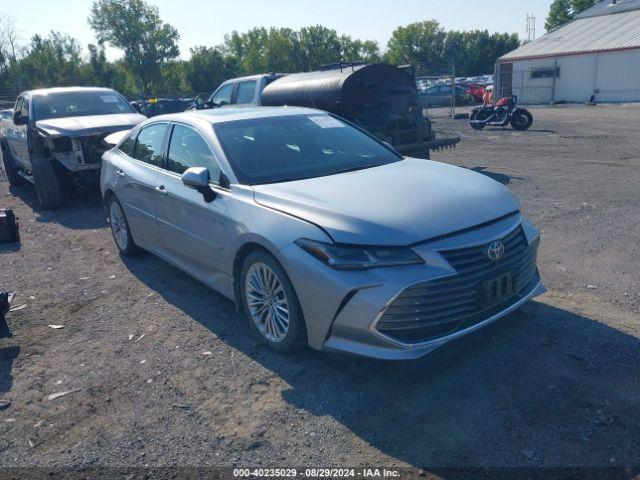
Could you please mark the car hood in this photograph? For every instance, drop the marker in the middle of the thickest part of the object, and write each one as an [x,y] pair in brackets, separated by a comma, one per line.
[89,125]
[397,204]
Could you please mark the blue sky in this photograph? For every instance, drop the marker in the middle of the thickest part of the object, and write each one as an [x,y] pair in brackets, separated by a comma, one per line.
[206,22]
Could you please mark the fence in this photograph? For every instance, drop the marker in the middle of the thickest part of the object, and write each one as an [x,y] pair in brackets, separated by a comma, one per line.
[8,97]
[437,94]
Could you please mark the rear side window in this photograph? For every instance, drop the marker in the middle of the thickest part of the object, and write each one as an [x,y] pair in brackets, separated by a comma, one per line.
[188,149]
[149,144]
[246,92]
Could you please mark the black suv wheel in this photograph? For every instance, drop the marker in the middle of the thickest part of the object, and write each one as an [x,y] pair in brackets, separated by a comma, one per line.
[47,183]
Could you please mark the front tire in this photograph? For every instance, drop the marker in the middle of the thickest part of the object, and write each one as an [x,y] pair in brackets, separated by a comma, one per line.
[120,228]
[47,183]
[475,115]
[270,302]
[11,169]
[521,120]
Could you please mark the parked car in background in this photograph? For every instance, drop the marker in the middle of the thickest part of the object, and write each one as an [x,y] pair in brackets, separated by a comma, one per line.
[152,107]
[5,119]
[321,233]
[55,137]
[440,96]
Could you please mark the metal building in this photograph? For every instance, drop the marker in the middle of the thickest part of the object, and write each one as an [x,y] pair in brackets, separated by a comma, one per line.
[594,57]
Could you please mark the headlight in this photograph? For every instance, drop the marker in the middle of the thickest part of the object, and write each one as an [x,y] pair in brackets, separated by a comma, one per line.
[351,257]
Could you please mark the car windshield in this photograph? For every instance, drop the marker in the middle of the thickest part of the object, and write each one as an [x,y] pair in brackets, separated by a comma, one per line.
[78,104]
[296,147]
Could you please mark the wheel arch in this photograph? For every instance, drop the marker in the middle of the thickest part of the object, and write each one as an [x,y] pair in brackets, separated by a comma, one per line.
[106,196]
[248,246]
[243,252]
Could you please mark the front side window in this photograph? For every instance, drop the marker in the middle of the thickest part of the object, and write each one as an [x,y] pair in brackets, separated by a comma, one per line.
[295,147]
[79,104]
[127,144]
[18,107]
[246,92]
[188,149]
[24,108]
[223,96]
[149,144]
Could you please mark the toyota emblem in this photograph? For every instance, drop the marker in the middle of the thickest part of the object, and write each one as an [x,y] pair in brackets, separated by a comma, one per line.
[496,251]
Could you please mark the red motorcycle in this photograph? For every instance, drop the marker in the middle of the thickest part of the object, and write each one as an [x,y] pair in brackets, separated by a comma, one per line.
[505,111]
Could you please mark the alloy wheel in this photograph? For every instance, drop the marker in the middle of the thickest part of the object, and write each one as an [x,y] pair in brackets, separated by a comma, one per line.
[118,225]
[267,302]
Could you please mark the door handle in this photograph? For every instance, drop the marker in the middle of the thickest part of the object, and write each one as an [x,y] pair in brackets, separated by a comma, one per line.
[120,173]
[162,190]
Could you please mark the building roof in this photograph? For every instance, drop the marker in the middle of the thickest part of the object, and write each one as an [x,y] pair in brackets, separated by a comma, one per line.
[615,31]
[607,7]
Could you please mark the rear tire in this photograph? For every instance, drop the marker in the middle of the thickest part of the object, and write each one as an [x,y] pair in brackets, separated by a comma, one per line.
[521,120]
[10,168]
[120,228]
[47,183]
[473,117]
[270,302]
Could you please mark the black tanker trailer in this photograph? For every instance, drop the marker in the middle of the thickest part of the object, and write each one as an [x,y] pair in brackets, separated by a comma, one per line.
[380,98]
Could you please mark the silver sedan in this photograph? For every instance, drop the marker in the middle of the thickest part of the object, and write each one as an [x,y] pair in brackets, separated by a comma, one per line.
[320,233]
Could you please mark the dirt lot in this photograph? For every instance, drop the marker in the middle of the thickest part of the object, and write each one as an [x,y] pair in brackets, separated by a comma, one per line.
[555,384]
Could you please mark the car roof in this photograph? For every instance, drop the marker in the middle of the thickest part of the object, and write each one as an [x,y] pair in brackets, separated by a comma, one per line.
[46,91]
[230,114]
[253,77]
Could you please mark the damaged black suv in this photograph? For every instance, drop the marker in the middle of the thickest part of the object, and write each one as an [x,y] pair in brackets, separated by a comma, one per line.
[54,138]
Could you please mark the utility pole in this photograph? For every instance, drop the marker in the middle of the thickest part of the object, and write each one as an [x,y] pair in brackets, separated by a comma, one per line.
[531,27]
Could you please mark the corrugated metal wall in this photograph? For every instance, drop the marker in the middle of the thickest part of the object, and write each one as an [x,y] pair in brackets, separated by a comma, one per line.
[612,76]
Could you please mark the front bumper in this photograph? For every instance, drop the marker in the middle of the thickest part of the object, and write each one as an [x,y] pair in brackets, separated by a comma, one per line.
[342,309]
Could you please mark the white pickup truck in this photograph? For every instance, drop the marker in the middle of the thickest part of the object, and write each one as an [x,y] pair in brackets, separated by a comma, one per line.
[53,137]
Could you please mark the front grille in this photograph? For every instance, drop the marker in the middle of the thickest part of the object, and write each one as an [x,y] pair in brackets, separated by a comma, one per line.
[437,308]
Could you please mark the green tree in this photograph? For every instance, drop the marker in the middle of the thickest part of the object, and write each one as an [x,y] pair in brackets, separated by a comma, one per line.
[286,50]
[52,61]
[209,67]
[434,51]
[318,46]
[559,14]
[578,6]
[563,11]
[358,50]
[420,44]
[136,28]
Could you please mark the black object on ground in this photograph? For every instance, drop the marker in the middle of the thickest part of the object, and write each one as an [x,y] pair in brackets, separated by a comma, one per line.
[8,227]
[5,304]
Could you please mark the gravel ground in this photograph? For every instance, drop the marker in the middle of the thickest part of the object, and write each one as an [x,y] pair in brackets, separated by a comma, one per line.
[163,372]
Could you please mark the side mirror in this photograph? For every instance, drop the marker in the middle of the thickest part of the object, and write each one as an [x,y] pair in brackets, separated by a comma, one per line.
[18,119]
[199,101]
[198,178]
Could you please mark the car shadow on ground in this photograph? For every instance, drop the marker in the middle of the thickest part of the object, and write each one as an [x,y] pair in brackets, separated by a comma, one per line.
[7,356]
[531,383]
[82,209]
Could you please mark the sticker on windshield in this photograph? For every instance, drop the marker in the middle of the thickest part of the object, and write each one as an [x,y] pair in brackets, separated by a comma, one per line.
[109,98]
[325,121]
